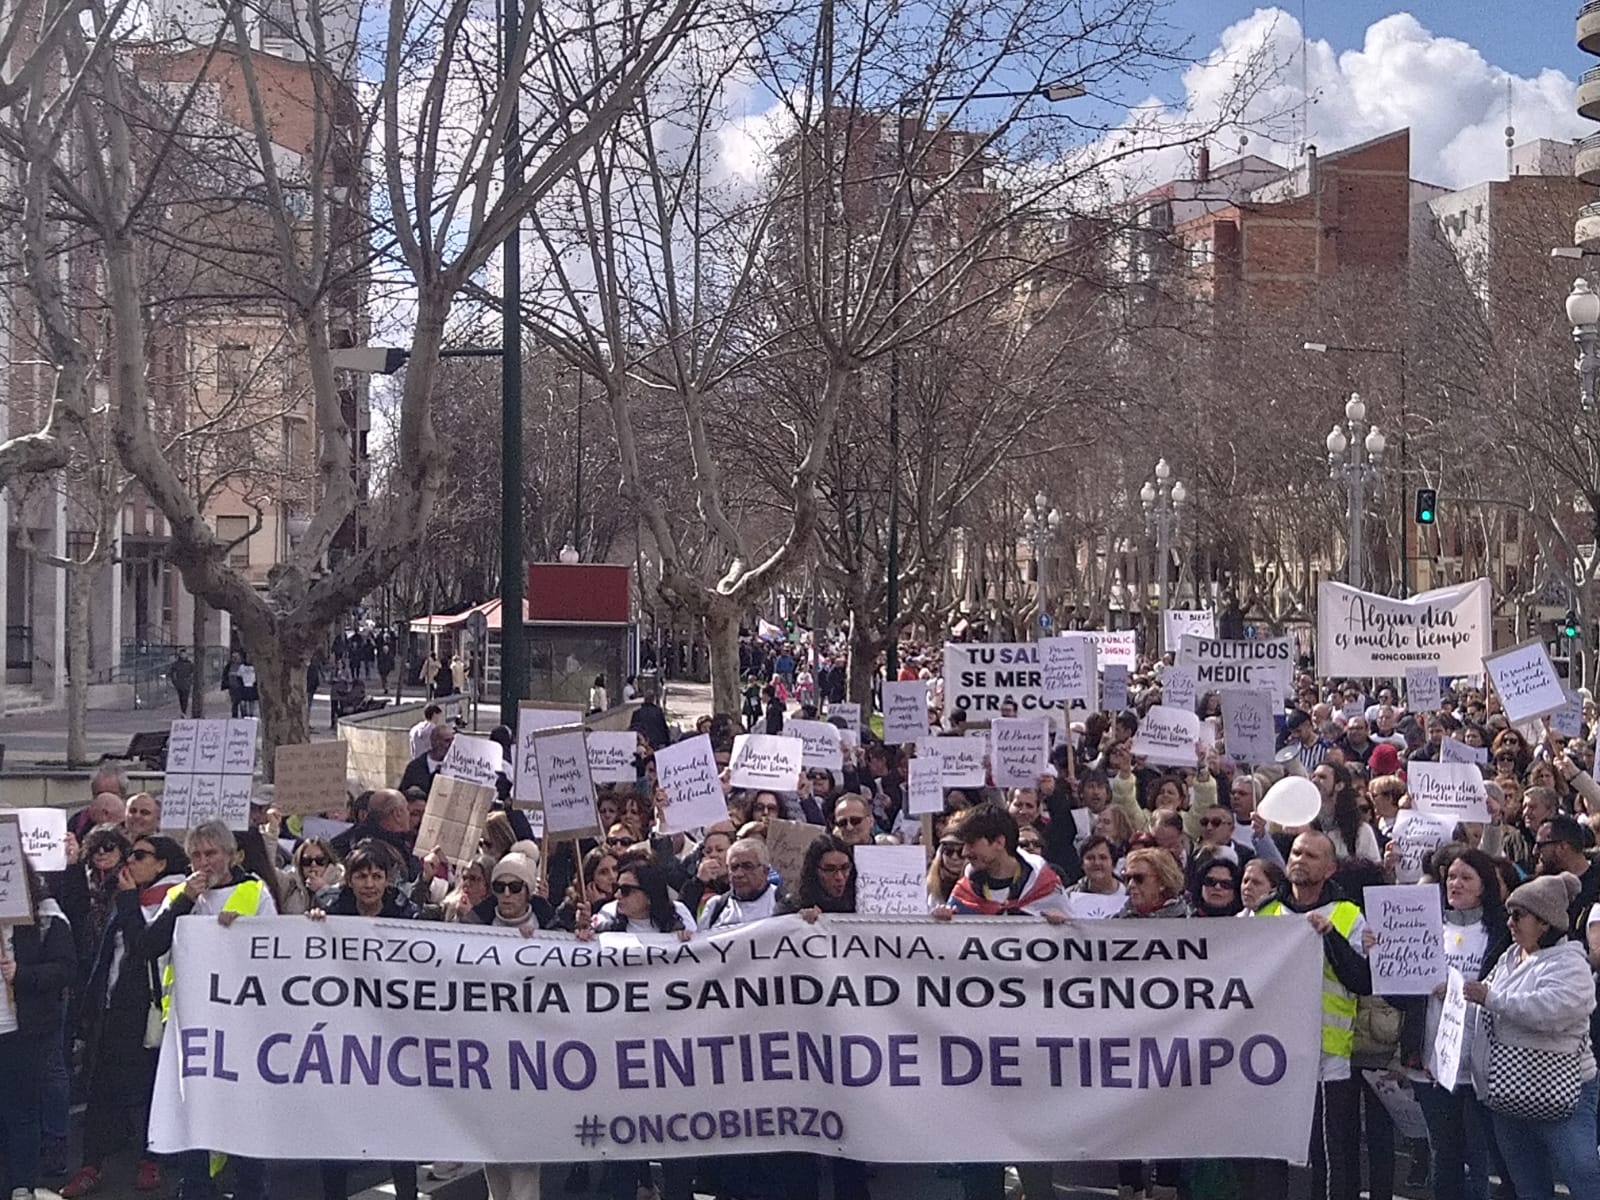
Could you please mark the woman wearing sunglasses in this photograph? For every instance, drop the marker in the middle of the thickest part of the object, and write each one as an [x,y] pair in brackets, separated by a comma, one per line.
[944,870]
[314,877]
[643,904]
[516,893]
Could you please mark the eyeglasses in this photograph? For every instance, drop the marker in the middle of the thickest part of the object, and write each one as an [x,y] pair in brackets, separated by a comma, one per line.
[313,860]
[141,855]
[836,869]
[850,822]
[628,889]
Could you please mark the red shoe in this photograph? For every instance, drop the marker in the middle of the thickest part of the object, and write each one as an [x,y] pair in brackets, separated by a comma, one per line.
[148,1178]
[85,1181]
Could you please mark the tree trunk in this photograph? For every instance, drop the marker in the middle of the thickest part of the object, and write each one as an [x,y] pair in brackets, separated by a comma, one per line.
[864,647]
[79,597]
[281,683]
[722,639]
[203,683]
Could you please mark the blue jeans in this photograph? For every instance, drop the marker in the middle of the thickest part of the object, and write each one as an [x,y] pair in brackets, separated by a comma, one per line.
[196,1183]
[1537,1151]
[1459,1134]
[22,1067]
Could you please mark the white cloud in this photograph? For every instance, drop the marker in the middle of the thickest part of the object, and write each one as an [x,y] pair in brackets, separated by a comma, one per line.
[1452,98]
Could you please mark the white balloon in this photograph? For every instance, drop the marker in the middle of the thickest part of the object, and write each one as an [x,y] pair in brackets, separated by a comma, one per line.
[1293,800]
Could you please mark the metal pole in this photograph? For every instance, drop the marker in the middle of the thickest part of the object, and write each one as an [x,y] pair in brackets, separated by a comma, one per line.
[1405,517]
[577,476]
[513,648]
[1354,477]
[1163,552]
[892,650]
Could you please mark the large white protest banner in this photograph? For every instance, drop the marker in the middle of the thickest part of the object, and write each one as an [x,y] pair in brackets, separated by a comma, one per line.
[1452,790]
[905,711]
[981,676]
[766,762]
[1362,634]
[1070,672]
[687,773]
[1248,731]
[1527,682]
[1264,664]
[1408,956]
[848,1037]
[1167,736]
[1019,750]
[1179,622]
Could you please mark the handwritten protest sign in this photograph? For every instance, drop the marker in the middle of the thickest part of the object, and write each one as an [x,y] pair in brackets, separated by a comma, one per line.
[787,843]
[1262,664]
[44,837]
[1070,671]
[1450,1038]
[611,754]
[16,906]
[1400,1101]
[981,677]
[564,784]
[1451,750]
[1114,688]
[1415,837]
[822,748]
[891,881]
[525,770]
[1167,736]
[1527,682]
[1450,790]
[239,747]
[1178,686]
[212,775]
[1364,634]
[961,759]
[454,818]
[1247,726]
[1019,750]
[1567,721]
[1201,622]
[687,773]
[210,746]
[472,760]
[850,714]
[310,778]
[1408,957]
[925,783]
[766,762]
[1094,906]
[1422,689]
[905,711]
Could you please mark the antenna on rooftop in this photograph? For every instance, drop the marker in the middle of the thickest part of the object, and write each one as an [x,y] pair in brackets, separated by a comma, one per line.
[1305,85]
[1511,130]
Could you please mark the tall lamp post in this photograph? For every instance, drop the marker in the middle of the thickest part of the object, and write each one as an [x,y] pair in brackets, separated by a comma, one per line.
[1039,526]
[1163,498]
[1354,454]
[1583,311]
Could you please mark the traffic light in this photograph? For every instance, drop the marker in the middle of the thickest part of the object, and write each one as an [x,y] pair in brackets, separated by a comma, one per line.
[788,625]
[1427,505]
[1569,625]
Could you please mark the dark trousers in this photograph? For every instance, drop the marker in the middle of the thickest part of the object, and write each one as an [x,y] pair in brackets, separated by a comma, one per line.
[1461,1137]
[1335,1149]
[250,1177]
[1380,1141]
[183,699]
[122,1075]
[22,1069]
[336,1180]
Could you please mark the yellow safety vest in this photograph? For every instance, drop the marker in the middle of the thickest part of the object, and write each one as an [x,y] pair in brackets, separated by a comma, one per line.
[1338,1001]
[245,899]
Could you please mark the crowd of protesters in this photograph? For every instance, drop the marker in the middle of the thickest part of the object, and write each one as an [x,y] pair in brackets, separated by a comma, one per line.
[86,984]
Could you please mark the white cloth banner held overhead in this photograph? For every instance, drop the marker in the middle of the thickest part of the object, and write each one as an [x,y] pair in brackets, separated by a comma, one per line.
[1264,664]
[1450,790]
[766,762]
[1167,737]
[1527,682]
[1361,634]
[1019,750]
[1201,622]
[981,676]
[905,711]
[850,1037]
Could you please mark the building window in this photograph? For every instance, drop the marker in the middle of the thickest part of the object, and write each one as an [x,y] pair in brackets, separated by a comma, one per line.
[234,532]
[234,367]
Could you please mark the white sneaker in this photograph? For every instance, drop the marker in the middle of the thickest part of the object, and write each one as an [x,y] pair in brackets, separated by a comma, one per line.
[445,1170]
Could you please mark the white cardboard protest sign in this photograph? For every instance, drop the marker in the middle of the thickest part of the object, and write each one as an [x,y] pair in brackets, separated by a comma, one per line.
[525,770]
[210,772]
[1262,664]
[472,760]
[1019,750]
[565,787]
[905,711]
[16,905]
[1453,750]
[925,783]
[961,759]
[1422,689]
[1527,682]
[1070,671]
[44,837]
[1167,736]
[823,749]
[1201,622]
[1363,634]
[891,881]
[611,755]
[1247,726]
[454,819]
[1415,837]
[687,773]
[1451,790]
[1112,647]
[1178,686]
[980,677]
[849,713]
[1450,1038]
[1567,721]
[1398,1098]
[1408,957]
[311,777]
[1114,688]
[766,762]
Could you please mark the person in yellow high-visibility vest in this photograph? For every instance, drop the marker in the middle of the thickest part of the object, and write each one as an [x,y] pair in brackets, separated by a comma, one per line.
[1336,1126]
[217,888]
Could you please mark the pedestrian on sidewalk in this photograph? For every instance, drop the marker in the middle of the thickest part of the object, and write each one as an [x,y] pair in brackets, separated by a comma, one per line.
[180,673]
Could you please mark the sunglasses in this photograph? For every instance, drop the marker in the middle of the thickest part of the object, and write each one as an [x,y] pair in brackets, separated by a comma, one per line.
[1220,883]
[819,776]
[1141,878]
[1031,845]
[952,848]
[141,855]
[313,860]
[1364,809]
[501,887]
[1213,823]
[619,841]
[628,889]
[851,822]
